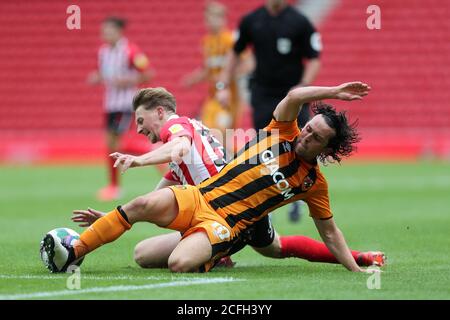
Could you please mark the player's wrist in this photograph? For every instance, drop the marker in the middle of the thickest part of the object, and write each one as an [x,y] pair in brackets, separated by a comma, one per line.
[138,162]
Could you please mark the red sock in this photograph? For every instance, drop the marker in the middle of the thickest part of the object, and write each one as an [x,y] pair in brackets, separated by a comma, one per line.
[309,249]
[113,172]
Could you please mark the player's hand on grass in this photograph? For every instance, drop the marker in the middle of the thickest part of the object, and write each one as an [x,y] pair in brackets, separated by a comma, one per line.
[86,217]
[125,161]
[371,270]
[352,91]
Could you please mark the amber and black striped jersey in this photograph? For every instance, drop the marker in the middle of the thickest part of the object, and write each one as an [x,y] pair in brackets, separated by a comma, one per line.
[264,175]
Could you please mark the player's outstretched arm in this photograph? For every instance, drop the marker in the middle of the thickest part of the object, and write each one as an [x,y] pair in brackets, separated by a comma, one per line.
[334,240]
[289,107]
[171,151]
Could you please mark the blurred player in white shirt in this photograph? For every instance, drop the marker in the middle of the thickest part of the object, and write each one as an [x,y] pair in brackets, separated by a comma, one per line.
[122,66]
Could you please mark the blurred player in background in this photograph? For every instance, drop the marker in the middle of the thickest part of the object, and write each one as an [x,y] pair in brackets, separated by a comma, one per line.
[216,44]
[282,38]
[122,66]
[195,156]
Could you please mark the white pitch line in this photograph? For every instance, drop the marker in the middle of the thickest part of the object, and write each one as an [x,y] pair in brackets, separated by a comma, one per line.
[65,276]
[46,294]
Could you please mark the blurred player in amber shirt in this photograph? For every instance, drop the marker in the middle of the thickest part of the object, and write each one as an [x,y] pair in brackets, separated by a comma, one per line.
[216,44]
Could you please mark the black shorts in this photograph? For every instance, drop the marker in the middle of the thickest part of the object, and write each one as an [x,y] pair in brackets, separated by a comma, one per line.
[259,235]
[118,122]
[265,100]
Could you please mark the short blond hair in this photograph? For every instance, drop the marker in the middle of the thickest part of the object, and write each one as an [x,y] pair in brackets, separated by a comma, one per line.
[215,8]
[153,97]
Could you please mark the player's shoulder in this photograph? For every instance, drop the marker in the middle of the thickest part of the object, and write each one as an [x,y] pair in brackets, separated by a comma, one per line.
[321,180]
[258,13]
[296,16]
[178,121]
[131,46]
[175,127]
[288,129]
[103,48]
[227,34]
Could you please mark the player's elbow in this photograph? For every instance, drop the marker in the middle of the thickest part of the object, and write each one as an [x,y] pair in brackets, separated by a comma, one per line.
[295,96]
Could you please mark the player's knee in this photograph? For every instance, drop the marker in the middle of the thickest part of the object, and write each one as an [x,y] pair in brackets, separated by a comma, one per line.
[273,250]
[140,257]
[140,205]
[181,264]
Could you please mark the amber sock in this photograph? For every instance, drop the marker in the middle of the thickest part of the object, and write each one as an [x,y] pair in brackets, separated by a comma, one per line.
[104,230]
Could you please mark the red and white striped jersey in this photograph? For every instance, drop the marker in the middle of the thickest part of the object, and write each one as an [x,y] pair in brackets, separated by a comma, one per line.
[205,158]
[123,60]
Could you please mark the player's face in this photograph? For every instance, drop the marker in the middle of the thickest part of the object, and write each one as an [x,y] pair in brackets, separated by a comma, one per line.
[276,3]
[149,123]
[214,22]
[314,138]
[110,33]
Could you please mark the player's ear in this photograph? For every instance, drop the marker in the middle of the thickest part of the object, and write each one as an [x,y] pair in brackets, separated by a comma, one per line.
[161,112]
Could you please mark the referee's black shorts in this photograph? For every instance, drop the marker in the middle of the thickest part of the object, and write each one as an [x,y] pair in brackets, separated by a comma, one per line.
[264,101]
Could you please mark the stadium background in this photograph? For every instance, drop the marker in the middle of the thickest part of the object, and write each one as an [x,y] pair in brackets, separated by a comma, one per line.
[46,102]
[49,115]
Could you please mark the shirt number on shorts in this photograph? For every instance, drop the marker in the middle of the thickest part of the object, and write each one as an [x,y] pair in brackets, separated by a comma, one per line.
[220,231]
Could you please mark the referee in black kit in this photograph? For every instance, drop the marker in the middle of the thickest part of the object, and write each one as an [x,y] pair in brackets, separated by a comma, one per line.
[282,39]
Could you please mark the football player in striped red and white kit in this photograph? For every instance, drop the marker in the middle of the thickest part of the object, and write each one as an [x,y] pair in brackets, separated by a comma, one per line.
[196,155]
[122,66]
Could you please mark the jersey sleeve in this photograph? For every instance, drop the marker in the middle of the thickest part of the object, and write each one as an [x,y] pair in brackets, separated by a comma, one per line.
[319,204]
[178,127]
[244,37]
[169,176]
[138,59]
[311,40]
[287,130]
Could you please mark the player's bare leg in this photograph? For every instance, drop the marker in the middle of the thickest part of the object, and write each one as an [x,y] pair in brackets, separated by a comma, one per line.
[154,252]
[273,250]
[191,253]
[159,207]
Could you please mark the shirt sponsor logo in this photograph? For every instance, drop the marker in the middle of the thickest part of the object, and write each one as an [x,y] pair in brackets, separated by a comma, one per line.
[176,128]
[272,168]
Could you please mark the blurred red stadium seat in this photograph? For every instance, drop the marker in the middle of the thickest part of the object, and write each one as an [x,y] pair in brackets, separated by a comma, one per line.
[43,66]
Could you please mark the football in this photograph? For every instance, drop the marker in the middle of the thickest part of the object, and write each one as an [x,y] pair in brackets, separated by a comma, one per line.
[54,250]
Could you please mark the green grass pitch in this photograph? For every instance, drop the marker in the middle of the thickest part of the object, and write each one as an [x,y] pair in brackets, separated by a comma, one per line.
[400,208]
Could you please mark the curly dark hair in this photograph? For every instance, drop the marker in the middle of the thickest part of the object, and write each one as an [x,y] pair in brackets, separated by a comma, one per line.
[343,143]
